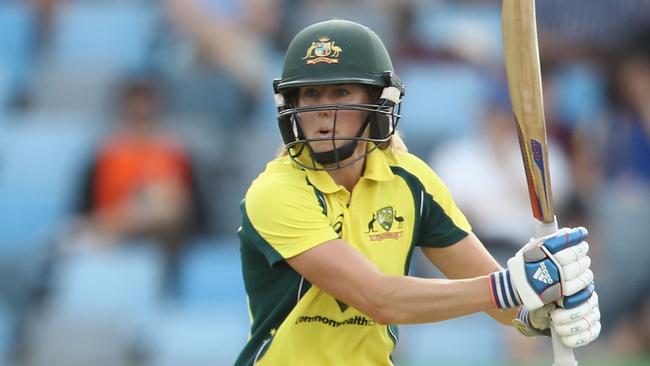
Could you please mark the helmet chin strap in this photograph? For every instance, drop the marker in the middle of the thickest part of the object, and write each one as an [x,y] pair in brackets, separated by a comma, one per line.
[339,154]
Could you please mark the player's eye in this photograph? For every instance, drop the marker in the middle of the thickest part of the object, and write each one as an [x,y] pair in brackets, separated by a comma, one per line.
[341,92]
[309,93]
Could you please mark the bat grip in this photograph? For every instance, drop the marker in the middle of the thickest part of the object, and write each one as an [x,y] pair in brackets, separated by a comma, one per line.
[562,355]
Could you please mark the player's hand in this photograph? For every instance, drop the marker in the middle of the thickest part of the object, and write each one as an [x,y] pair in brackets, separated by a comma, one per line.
[577,324]
[544,271]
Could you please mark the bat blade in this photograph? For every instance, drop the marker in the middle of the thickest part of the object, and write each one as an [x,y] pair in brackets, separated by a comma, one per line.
[521,56]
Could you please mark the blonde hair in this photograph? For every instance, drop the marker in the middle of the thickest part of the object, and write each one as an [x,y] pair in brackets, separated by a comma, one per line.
[395,144]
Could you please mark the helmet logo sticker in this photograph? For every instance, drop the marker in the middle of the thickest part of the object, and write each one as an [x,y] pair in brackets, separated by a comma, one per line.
[324,50]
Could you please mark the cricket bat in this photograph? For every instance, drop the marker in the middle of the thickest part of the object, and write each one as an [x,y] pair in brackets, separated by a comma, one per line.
[521,56]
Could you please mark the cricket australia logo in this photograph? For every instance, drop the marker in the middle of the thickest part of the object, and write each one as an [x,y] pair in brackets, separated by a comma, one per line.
[324,50]
[385,217]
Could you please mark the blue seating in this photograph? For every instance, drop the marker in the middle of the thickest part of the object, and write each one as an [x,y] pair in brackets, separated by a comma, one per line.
[442,101]
[40,166]
[444,342]
[103,33]
[209,325]
[198,337]
[211,276]
[42,159]
[7,323]
[16,43]
[580,94]
[6,86]
[124,280]
[469,29]
[103,299]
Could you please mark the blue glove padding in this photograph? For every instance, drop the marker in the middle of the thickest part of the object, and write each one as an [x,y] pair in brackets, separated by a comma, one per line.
[544,271]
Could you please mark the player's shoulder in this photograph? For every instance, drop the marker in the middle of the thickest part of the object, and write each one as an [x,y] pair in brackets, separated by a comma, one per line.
[410,163]
[416,167]
[279,179]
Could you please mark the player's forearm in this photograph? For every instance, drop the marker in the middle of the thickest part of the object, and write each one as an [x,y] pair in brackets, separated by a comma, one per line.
[503,316]
[404,300]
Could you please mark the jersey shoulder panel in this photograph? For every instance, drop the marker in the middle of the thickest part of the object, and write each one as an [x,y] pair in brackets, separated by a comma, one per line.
[434,187]
[285,211]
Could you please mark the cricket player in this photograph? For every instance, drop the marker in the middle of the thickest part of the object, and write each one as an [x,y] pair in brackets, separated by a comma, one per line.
[329,227]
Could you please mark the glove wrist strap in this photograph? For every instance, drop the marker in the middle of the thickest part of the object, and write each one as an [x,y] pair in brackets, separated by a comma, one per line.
[503,291]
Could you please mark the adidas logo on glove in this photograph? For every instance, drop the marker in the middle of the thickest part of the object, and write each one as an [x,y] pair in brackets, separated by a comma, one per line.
[542,274]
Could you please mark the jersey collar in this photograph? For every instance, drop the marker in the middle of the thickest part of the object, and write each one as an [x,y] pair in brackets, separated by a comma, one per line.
[377,169]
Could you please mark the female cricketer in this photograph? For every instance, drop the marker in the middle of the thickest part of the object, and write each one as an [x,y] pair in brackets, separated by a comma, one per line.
[329,227]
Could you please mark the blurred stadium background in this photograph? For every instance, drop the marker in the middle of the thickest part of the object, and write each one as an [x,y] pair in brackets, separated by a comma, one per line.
[130,130]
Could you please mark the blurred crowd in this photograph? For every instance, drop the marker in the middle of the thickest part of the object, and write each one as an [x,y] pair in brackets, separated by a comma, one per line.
[130,130]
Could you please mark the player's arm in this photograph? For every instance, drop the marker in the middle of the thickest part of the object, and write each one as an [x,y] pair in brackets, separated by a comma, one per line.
[339,269]
[343,272]
[466,259]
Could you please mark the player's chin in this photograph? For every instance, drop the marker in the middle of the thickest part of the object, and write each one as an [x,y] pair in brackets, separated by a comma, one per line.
[325,145]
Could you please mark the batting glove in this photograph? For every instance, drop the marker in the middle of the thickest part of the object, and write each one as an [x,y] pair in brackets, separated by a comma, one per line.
[576,321]
[544,271]
[579,326]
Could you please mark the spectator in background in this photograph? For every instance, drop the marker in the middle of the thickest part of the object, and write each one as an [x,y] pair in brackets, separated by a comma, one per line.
[627,147]
[624,150]
[491,187]
[141,182]
[44,11]
[233,49]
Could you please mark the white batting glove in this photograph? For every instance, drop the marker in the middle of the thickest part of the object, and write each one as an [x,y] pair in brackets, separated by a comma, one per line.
[544,271]
[579,326]
[576,326]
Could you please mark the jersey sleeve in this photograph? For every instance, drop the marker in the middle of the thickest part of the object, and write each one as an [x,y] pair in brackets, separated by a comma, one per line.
[283,220]
[442,222]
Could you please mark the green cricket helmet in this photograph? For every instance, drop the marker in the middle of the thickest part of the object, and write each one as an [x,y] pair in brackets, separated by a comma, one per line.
[337,52]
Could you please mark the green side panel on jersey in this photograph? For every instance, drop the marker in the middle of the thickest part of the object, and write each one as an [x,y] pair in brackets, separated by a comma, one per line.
[433,219]
[255,239]
[273,289]
[321,198]
[415,186]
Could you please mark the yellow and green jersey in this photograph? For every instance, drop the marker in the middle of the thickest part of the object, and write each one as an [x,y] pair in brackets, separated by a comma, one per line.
[398,203]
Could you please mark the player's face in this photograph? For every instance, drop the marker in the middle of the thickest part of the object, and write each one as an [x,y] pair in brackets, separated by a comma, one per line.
[320,124]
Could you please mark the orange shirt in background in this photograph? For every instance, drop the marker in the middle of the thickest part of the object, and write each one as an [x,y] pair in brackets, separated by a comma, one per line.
[127,164]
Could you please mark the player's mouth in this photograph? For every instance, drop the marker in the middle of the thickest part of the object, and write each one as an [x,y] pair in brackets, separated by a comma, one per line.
[324,133]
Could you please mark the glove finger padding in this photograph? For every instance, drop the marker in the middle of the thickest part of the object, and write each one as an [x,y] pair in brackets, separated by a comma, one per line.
[578,326]
[579,283]
[563,239]
[572,254]
[584,338]
[561,316]
[576,268]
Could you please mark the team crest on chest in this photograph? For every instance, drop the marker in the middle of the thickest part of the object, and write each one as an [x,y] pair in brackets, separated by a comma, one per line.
[385,218]
[323,50]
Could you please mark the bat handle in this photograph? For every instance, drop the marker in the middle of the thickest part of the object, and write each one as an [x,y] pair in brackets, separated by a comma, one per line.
[562,355]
